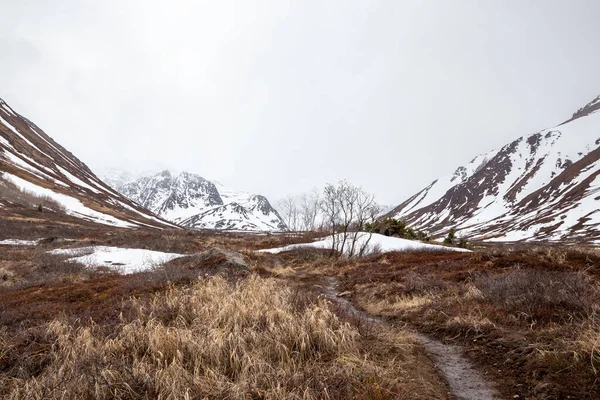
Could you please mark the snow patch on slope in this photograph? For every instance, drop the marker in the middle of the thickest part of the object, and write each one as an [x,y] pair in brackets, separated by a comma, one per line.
[440,187]
[72,205]
[376,241]
[19,242]
[540,186]
[123,260]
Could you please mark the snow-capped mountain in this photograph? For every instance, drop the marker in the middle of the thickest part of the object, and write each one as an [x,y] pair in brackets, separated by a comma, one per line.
[195,202]
[174,197]
[543,186]
[32,162]
[116,178]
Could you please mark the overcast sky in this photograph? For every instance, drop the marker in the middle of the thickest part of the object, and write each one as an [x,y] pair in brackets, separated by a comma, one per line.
[276,97]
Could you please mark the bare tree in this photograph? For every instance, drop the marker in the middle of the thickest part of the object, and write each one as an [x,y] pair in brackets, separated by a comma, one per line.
[290,213]
[346,209]
[331,214]
[309,210]
[368,216]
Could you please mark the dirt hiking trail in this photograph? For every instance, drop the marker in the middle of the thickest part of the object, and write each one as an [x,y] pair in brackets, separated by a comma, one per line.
[464,381]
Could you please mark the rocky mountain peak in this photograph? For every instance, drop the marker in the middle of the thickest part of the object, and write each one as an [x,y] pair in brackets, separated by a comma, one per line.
[196,202]
[588,109]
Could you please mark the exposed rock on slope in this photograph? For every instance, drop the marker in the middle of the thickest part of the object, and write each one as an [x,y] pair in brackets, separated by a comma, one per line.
[31,161]
[175,197]
[195,202]
[214,261]
[543,186]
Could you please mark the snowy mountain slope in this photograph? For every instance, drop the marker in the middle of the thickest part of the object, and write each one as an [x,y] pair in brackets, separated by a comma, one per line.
[114,178]
[195,202]
[33,162]
[542,186]
[118,176]
[252,213]
[174,197]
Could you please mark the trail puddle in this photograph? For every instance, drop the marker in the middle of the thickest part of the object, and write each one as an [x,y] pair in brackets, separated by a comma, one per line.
[464,381]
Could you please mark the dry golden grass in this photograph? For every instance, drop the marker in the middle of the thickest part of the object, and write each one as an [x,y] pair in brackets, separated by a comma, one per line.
[7,277]
[276,272]
[588,343]
[472,322]
[368,299]
[23,267]
[532,310]
[254,339]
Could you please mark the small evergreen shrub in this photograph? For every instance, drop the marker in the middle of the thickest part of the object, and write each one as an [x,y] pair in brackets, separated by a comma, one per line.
[397,228]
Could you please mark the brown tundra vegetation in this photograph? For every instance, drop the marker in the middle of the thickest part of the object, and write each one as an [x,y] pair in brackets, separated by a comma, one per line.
[527,317]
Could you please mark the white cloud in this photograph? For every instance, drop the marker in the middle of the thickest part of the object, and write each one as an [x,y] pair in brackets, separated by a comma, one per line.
[277,97]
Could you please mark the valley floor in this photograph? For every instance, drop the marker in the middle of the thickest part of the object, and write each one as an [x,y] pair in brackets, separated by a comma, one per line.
[503,322]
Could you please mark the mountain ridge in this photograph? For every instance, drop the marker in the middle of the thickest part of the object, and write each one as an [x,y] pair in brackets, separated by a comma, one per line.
[537,187]
[195,202]
[31,161]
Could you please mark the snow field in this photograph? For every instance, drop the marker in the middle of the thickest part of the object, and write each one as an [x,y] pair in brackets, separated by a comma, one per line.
[372,242]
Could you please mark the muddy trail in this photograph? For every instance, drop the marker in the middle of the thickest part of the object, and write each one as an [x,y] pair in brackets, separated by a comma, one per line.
[464,381]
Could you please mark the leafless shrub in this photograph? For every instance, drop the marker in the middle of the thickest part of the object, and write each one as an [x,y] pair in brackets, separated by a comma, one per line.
[6,277]
[41,268]
[308,253]
[347,209]
[47,264]
[371,249]
[415,283]
[301,214]
[309,211]
[536,292]
[290,213]
[11,193]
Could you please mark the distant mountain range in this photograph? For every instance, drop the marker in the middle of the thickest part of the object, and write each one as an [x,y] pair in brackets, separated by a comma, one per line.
[32,162]
[194,202]
[543,186]
[540,187]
